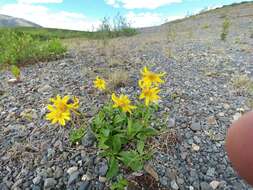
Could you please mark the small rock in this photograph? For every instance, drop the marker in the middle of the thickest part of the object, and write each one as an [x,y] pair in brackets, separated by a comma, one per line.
[211,120]
[44,88]
[184,155]
[13,81]
[72,170]
[174,185]
[149,169]
[58,172]
[195,126]
[36,180]
[215,184]
[205,186]
[103,168]
[73,177]
[102,179]
[226,106]
[49,182]
[84,185]
[164,181]
[86,178]
[221,114]
[197,140]
[88,139]
[171,123]
[237,116]
[195,147]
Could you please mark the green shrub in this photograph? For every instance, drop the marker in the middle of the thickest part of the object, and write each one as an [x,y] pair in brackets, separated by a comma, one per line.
[225,29]
[21,48]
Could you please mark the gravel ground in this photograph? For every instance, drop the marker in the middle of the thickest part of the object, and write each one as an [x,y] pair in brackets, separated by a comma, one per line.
[198,105]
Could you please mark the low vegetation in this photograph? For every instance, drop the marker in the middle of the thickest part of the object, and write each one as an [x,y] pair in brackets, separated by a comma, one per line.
[122,127]
[225,29]
[243,84]
[28,45]
[20,48]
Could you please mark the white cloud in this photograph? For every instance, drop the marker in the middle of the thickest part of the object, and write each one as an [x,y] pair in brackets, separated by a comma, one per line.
[147,19]
[43,16]
[39,1]
[137,4]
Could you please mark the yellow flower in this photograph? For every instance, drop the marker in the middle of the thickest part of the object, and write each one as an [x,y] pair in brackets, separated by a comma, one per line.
[122,102]
[65,103]
[149,77]
[99,84]
[60,110]
[150,95]
[57,116]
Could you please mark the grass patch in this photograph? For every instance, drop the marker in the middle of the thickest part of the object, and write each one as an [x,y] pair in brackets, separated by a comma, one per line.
[243,84]
[118,79]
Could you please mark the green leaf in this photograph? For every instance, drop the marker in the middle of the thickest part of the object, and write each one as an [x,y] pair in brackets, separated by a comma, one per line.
[120,184]
[133,128]
[76,135]
[132,160]
[116,143]
[113,168]
[118,119]
[140,146]
[147,132]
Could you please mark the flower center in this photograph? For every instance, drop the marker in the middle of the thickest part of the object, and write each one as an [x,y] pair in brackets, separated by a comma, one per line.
[62,107]
[151,76]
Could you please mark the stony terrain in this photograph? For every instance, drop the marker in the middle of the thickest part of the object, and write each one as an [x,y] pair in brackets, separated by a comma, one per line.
[206,89]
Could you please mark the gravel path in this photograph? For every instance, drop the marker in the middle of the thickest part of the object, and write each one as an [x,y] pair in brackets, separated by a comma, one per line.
[199,103]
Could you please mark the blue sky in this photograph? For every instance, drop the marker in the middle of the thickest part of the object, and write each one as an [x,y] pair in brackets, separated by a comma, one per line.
[87,14]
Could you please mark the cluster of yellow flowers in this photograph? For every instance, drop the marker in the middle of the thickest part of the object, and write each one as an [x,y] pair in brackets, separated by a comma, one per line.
[60,110]
[149,84]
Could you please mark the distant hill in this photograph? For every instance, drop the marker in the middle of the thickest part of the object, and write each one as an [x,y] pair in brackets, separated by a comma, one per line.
[8,21]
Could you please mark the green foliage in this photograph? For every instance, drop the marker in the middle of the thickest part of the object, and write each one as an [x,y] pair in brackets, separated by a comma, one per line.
[205,26]
[21,48]
[115,27]
[76,135]
[225,29]
[15,71]
[122,137]
[120,184]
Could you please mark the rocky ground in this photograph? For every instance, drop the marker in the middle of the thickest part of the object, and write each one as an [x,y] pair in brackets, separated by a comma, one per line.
[207,87]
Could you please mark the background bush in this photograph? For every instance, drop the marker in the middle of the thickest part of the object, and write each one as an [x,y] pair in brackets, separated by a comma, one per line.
[20,48]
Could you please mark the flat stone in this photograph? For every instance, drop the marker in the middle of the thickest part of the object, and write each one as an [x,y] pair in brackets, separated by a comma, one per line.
[215,184]
[72,170]
[49,182]
[84,185]
[174,185]
[211,120]
[36,180]
[58,172]
[73,177]
[195,126]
